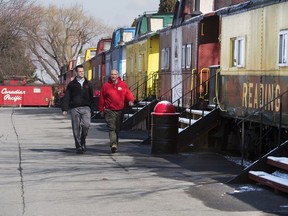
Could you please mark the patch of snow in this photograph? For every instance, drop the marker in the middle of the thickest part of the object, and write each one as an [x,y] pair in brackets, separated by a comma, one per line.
[237,160]
[283,160]
[280,174]
[270,177]
[249,188]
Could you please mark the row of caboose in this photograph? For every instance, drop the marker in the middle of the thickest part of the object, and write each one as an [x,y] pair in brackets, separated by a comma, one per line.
[230,55]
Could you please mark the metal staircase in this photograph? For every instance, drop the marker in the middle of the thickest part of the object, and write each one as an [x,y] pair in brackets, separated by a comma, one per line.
[194,131]
[138,117]
[196,119]
[271,170]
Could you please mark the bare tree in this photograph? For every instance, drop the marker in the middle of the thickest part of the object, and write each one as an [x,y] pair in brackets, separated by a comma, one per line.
[60,35]
[15,59]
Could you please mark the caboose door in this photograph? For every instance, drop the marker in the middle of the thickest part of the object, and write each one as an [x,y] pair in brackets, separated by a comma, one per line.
[176,75]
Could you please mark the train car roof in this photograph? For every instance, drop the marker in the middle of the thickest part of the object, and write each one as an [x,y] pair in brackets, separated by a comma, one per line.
[246,6]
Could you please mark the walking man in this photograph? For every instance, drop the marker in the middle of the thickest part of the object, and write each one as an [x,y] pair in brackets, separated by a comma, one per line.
[113,95]
[79,99]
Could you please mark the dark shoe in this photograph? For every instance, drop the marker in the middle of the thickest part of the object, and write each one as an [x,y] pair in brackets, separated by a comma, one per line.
[114,149]
[79,150]
[83,147]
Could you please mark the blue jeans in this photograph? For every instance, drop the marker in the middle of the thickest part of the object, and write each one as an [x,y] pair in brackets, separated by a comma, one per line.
[80,118]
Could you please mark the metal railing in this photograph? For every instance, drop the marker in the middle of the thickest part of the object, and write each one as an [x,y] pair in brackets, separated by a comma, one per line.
[259,112]
[189,99]
[169,98]
[142,84]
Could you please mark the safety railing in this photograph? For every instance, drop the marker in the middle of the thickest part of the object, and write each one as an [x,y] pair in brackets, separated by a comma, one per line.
[257,115]
[168,95]
[140,86]
[191,98]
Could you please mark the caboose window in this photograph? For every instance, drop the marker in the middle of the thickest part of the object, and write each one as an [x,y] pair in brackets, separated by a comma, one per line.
[106,45]
[283,48]
[188,56]
[99,72]
[140,63]
[156,24]
[238,52]
[94,72]
[114,64]
[162,59]
[183,57]
[92,53]
[127,36]
[165,59]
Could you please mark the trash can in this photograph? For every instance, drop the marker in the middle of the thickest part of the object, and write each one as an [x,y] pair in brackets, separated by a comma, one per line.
[164,129]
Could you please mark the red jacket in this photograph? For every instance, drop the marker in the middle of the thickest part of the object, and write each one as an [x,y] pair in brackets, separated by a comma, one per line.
[113,96]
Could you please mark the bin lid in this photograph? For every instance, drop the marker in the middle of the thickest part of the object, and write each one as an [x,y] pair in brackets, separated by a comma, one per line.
[164,107]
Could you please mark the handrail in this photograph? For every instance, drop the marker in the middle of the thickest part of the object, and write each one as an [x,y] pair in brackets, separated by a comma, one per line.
[170,90]
[130,87]
[269,102]
[192,93]
[242,121]
[195,89]
[145,80]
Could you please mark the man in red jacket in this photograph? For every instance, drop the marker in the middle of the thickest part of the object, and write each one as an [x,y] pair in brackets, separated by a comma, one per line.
[113,95]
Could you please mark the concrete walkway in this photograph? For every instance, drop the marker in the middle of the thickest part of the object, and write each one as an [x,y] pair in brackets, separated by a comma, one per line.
[41,175]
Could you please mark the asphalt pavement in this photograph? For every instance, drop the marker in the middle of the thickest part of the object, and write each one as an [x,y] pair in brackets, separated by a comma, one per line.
[41,175]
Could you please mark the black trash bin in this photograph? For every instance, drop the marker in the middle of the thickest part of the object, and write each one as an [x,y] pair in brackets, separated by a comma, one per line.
[164,129]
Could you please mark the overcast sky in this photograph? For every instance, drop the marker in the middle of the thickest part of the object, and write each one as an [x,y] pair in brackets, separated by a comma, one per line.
[115,13]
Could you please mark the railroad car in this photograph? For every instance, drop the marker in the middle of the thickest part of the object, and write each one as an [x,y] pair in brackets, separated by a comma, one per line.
[222,59]
[142,55]
[188,48]
[253,75]
[98,64]
[66,75]
[89,54]
[178,52]
[115,57]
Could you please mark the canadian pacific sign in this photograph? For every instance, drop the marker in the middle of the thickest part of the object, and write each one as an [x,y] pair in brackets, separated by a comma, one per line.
[12,95]
[25,95]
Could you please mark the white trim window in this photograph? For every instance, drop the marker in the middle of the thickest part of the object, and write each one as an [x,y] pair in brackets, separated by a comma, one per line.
[238,52]
[99,72]
[94,72]
[115,65]
[167,58]
[283,48]
[183,56]
[163,59]
[139,63]
[188,56]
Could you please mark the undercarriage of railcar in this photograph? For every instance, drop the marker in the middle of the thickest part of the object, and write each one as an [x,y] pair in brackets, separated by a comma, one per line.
[248,139]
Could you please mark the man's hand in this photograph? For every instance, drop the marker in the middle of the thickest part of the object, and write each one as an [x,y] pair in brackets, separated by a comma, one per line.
[64,113]
[102,114]
[131,103]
